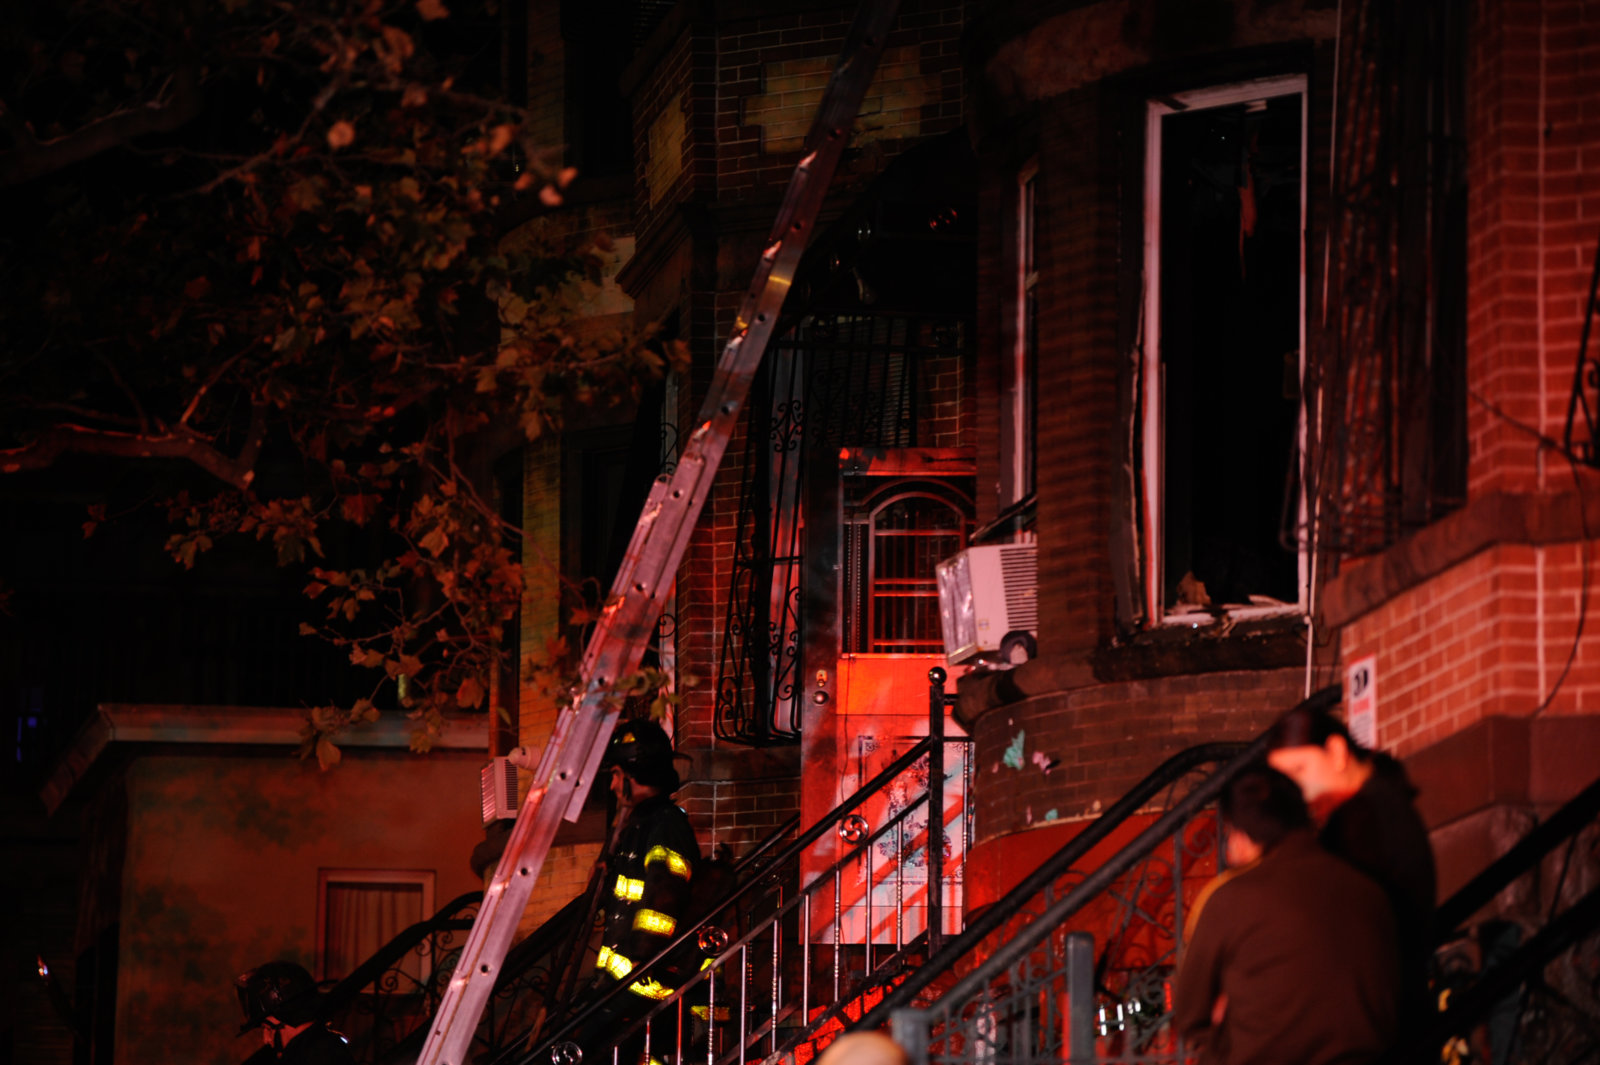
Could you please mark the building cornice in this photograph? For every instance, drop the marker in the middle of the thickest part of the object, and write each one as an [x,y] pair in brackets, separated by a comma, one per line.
[231,726]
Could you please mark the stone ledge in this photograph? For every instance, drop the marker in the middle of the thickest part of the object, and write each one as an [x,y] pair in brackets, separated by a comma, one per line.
[1497,518]
[1520,761]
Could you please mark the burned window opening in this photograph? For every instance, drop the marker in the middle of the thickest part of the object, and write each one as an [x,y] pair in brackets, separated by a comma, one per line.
[1226,217]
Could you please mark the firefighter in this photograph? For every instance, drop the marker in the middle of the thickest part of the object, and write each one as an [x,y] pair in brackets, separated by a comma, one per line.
[281,999]
[646,887]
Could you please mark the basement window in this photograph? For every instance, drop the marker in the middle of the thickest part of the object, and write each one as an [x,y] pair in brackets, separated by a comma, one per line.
[360,910]
[1223,352]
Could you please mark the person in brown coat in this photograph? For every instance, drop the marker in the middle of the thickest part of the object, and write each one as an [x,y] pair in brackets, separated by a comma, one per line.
[1293,958]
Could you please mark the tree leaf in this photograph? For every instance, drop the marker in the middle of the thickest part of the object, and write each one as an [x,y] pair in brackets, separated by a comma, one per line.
[434,542]
[341,134]
[470,694]
[328,753]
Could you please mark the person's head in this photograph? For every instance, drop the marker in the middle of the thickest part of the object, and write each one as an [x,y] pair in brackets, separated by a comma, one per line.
[1261,806]
[640,759]
[279,997]
[1315,750]
[863,1048]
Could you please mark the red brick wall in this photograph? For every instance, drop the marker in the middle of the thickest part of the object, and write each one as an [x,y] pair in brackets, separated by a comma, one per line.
[1494,633]
[1079,444]
[737,799]
[1533,125]
[917,92]
[1489,636]
[1068,755]
[726,74]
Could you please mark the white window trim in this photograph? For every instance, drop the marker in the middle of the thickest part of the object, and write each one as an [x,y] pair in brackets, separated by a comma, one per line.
[1019,390]
[424,877]
[1150,368]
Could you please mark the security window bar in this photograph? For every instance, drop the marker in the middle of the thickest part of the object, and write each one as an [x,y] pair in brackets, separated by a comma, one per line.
[1224,336]
[832,381]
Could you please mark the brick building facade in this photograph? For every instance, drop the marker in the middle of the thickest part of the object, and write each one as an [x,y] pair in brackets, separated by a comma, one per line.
[1194,369]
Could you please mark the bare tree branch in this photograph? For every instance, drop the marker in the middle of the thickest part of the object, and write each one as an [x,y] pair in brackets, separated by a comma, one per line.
[180,442]
[133,397]
[30,158]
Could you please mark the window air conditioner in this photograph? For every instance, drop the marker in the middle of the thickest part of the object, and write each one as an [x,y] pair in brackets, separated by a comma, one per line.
[500,799]
[989,603]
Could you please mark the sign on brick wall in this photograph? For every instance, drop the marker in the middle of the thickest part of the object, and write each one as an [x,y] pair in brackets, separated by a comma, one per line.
[1361,694]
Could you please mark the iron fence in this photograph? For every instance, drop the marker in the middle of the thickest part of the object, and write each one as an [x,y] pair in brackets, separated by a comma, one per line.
[853,926]
[1046,995]
[790,949]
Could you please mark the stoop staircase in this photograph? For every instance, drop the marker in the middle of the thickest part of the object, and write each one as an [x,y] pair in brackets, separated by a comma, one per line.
[1072,965]
[788,953]
[780,963]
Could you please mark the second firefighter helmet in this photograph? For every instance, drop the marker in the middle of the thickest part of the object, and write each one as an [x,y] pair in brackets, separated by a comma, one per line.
[643,751]
[281,990]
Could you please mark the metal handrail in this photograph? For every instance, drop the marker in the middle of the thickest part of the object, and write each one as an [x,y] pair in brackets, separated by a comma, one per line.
[1523,856]
[804,896]
[406,940]
[1238,756]
[796,847]
[1470,1006]
[1057,865]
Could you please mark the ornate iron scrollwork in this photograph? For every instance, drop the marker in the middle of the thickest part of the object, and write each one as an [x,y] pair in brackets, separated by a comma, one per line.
[839,380]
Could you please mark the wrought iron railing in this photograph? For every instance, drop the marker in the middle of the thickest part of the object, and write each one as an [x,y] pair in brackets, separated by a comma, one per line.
[1024,972]
[1014,1006]
[801,956]
[1045,994]
[1540,996]
[394,992]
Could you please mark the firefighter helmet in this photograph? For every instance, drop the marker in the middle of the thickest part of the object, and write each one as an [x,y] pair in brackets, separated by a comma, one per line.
[279,989]
[644,752]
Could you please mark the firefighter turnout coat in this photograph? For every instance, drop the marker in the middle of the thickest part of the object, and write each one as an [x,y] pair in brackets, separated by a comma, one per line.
[647,890]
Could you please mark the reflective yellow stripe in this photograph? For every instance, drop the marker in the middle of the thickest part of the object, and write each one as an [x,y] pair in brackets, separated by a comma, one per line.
[704,1012]
[650,988]
[613,963]
[708,963]
[677,864]
[628,888]
[654,921]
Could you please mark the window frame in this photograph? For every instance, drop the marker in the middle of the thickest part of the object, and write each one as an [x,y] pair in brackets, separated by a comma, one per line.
[391,877]
[1151,398]
[1019,431]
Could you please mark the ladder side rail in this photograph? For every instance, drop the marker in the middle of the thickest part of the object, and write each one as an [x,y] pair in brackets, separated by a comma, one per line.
[660,540]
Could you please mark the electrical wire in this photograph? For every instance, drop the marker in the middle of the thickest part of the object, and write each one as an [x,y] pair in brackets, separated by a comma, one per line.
[1584,546]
